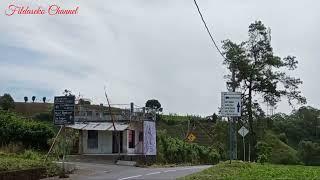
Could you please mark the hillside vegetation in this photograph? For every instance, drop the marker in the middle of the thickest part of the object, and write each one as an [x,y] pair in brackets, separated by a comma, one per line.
[281,138]
[208,132]
[30,133]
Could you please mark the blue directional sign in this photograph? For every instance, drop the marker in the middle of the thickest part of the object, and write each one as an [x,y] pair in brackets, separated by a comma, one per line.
[64,110]
[230,104]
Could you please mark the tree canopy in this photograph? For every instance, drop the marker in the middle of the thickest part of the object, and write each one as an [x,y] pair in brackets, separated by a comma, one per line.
[153,104]
[6,102]
[258,73]
[25,99]
[33,98]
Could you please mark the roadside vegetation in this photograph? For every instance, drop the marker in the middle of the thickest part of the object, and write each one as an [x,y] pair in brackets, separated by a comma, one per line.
[24,143]
[27,159]
[30,133]
[175,151]
[244,170]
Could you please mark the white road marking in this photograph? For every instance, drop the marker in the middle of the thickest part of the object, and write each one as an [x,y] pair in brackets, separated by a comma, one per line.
[159,172]
[170,171]
[153,173]
[130,177]
[189,168]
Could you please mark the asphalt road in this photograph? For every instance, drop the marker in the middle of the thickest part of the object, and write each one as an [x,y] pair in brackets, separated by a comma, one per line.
[93,171]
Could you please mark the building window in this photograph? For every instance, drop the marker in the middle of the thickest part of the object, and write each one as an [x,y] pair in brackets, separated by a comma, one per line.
[131,138]
[92,140]
[140,136]
[89,113]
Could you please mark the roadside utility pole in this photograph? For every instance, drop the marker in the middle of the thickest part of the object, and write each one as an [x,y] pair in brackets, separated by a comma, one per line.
[234,123]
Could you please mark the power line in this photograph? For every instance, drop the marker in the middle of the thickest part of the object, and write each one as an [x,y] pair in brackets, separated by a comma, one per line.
[205,25]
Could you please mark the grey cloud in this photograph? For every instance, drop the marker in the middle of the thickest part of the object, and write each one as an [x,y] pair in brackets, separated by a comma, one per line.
[158,49]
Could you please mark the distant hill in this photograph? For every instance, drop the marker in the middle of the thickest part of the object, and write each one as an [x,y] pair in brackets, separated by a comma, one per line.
[30,109]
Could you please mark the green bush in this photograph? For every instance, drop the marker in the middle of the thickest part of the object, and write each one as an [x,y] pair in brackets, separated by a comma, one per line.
[16,129]
[26,160]
[285,157]
[32,155]
[264,151]
[309,152]
[44,116]
[280,152]
[262,158]
[65,144]
[283,138]
[173,150]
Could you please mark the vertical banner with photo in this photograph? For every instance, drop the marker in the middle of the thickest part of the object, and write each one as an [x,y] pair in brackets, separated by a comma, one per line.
[149,138]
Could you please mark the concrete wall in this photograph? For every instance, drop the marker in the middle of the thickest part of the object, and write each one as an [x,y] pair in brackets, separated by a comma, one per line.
[138,145]
[104,143]
[125,141]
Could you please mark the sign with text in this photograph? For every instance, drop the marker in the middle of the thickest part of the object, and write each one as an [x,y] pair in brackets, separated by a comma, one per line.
[230,104]
[64,110]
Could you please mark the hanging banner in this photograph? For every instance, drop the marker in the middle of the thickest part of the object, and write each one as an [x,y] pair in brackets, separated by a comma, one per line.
[149,138]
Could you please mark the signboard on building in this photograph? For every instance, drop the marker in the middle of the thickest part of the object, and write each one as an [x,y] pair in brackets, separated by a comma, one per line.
[64,110]
[191,137]
[230,104]
[149,138]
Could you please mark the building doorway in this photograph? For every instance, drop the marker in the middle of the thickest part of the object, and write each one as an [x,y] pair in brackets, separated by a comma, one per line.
[115,141]
[92,141]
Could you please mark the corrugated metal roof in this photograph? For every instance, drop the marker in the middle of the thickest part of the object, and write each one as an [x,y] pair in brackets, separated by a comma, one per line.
[76,126]
[119,127]
[103,126]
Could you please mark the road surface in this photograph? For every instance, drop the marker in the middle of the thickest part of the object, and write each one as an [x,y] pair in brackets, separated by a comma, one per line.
[93,171]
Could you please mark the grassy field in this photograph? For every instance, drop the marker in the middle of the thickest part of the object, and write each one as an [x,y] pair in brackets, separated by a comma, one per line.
[26,160]
[241,170]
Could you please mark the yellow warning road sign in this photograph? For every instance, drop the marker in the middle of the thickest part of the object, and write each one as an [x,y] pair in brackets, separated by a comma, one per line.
[191,137]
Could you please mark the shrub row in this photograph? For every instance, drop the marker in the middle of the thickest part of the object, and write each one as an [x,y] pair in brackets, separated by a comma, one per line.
[16,129]
[173,150]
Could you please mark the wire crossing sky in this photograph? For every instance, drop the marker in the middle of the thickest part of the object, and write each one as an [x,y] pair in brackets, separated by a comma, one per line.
[147,49]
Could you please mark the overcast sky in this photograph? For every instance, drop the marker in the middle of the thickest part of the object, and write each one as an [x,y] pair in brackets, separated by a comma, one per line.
[142,49]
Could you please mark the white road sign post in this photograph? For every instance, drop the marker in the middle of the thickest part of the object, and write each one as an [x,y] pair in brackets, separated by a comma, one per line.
[243,132]
[231,108]
[231,104]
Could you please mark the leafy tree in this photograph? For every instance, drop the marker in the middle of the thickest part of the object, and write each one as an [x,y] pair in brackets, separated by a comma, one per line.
[214,117]
[44,99]
[67,92]
[309,152]
[6,102]
[33,98]
[257,72]
[302,124]
[264,151]
[25,99]
[153,104]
